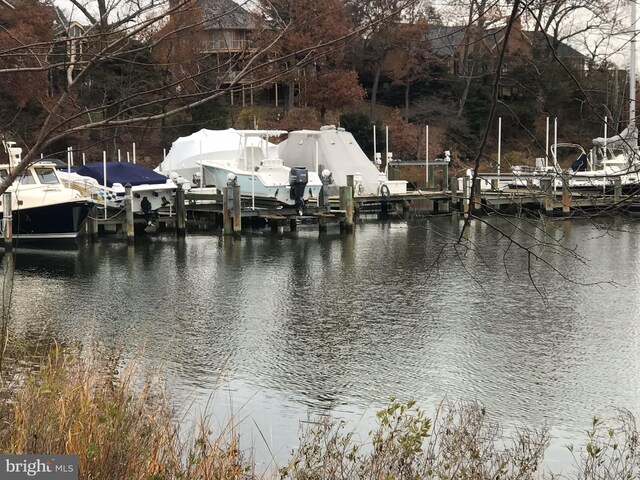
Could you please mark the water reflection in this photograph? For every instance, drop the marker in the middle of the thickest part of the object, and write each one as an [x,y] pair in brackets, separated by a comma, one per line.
[303,323]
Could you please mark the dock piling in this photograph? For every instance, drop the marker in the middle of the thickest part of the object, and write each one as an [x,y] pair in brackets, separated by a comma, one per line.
[226,209]
[346,204]
[617,190]
[566,195]
[181,218]
[128,206]
[237,209]
[465,196]
[7,222]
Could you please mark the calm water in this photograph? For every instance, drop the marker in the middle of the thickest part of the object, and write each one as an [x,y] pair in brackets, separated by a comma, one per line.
[279,329]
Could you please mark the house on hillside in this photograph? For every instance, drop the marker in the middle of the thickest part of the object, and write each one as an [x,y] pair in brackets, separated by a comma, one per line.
[472,51]
[218,32]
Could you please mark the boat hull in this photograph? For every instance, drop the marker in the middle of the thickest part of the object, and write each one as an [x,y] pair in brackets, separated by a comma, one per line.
[253,185]
[59,221]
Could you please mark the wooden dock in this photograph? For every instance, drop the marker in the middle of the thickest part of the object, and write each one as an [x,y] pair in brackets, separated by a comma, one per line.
[231,213]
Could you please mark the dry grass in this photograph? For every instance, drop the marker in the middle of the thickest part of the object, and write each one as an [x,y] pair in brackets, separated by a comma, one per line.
[124,430]
[118,430]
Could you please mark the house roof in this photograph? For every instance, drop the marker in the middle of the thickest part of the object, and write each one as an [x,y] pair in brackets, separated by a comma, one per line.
[226,14]
[445,40]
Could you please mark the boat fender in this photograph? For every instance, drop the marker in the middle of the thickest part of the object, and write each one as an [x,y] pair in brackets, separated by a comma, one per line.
[384,191]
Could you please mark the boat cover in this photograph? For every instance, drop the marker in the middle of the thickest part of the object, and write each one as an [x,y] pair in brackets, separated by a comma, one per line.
[337,150]
[122,173]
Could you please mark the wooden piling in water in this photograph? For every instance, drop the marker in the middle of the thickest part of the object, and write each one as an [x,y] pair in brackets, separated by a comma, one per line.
[128,206]
[617,190]
[566,195]
[7,222]
[477,195]
[546,186]
[293,224]
[465,196]
[181,217]
[346,204]
[226,211]
[237,210]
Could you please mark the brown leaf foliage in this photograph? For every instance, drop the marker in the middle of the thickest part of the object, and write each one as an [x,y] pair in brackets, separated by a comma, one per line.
[29,24]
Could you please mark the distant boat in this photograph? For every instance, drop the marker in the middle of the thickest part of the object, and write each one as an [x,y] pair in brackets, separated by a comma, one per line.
[105,183]
[43,208]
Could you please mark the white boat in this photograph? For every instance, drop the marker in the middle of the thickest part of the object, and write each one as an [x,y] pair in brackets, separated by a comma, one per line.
[260,174]
[105,183]
[209,157]
[186,153]
[337,150]
[43,208]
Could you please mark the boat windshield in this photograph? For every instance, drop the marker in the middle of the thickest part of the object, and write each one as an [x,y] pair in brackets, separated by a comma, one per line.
[47,175]
[26,178]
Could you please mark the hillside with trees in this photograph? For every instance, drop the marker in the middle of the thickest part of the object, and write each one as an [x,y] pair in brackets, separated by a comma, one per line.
[154,71]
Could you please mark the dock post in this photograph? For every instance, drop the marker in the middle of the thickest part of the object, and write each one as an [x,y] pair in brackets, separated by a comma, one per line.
[465,196]
[181,218]
[7,221]
[237,209]
[226,212]
[495,184]
[92,224]
[351,182]
[128,206]
[454,204]
[322,224]
[566,195]
[546,185]
[477,195]
[346,204]
[617,190]
[406,210]
[293,224]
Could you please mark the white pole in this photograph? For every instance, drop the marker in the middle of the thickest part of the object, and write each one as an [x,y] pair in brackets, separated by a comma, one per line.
[253,178]
[426,154]
[84,159]
[134,153]
[164,154]
[119,158]
[104,174]
[546,148]
[201,167]
[128,157]
[606,120]
[386,157]
[499,144]
[555,143]
[375,150]
[68,160]
[317,156]
[71,155]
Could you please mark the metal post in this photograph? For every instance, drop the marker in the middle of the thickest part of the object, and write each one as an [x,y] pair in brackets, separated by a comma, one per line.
[499,142]
[426,155]
[104,174]
[134,153]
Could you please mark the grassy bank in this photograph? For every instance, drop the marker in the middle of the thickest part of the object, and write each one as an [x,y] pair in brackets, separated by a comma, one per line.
[122,430]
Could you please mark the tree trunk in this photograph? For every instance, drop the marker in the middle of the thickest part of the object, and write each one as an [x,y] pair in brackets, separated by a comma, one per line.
[374,90]
[467,87]
[291,93]
[406,102]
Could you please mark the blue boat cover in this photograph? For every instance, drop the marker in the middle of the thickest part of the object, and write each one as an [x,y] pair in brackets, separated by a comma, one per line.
[122,173]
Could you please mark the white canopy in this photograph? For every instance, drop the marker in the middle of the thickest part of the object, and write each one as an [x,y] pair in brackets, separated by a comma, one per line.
[337,150]
[187,152]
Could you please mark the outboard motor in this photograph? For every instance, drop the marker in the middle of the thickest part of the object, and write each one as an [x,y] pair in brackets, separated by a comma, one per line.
[298,179]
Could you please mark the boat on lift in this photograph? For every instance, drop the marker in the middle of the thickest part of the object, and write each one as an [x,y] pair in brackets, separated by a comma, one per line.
[43,208]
